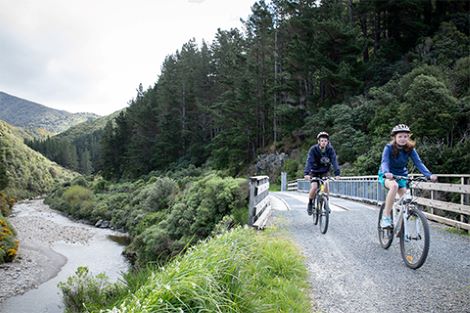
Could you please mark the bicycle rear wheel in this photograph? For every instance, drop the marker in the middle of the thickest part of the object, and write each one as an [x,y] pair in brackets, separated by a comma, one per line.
[414,244]
[316,210]
[324,214]
[385,234]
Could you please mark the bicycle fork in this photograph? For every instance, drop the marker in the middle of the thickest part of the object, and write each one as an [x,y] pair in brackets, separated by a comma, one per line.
[417,230]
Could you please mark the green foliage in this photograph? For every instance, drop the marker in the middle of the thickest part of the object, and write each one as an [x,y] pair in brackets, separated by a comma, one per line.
[461,77]
[86,293]
[3,175]
[350,68]
[79,200]
[193,216]
[28,173]
[6,204]
[224,275]
[157,196]
[449,44]
[293,168]
[161,216]
[8,243]
[429,108]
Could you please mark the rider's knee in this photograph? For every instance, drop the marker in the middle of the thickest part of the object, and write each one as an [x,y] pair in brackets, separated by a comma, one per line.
[393,186]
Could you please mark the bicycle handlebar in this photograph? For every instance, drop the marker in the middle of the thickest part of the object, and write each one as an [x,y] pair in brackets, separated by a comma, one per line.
[410,179]
[321,179]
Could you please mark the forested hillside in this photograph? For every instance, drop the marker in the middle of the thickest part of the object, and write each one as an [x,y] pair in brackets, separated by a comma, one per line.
[78,148]
[36,118]
[352,68]
[27,172]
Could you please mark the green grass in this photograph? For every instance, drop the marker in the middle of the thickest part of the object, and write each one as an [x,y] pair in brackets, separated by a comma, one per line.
[274,187]
[458,231]
[239,271]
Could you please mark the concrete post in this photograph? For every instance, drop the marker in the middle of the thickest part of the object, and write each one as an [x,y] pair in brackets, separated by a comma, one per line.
[283,181]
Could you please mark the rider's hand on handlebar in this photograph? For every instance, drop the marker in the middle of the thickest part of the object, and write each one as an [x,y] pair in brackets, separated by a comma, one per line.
[337,177]
[388,175]
[307,177]
[433,178]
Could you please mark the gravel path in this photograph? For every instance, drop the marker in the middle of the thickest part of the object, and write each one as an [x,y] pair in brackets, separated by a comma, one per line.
[350,272]
[36,261]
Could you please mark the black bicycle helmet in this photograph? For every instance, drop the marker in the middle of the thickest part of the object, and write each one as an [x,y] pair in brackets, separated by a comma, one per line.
[323,134]
[400,128]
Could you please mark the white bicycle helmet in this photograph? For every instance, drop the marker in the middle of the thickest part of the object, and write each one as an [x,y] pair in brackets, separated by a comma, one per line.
[323,134]
[400,128]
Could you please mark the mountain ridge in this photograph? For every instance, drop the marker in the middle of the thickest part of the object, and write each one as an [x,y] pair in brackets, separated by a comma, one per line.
[38,119]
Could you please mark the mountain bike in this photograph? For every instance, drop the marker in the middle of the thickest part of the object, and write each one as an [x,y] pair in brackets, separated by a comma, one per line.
[321,205]
[410,225]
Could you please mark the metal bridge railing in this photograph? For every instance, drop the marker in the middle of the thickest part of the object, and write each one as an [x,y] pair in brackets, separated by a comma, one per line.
[363,188]
[447,201]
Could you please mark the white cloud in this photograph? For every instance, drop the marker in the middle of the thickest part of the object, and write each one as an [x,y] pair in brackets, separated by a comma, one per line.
[89,55]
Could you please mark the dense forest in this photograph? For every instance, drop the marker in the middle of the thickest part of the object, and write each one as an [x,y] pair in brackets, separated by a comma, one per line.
[353,68]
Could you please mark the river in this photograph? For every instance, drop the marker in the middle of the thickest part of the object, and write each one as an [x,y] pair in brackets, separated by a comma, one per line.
[68,245]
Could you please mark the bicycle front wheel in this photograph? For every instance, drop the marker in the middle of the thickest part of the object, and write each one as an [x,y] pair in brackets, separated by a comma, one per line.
[324,215]
[385,234]
[316,210]
[414,238]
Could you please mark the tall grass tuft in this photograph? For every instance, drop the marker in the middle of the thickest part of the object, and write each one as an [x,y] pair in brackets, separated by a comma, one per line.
[238,271]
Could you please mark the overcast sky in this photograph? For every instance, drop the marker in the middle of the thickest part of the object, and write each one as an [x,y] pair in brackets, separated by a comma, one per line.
[91,55]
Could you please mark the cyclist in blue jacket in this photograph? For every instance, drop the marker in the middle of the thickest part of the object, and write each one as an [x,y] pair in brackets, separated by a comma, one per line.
[320,157]
[394,162]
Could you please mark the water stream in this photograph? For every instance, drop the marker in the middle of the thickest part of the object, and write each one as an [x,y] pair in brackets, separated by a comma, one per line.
[101,254]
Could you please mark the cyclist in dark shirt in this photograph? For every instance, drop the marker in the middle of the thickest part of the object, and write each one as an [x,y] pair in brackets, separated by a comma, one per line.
[320,158]
[394,162]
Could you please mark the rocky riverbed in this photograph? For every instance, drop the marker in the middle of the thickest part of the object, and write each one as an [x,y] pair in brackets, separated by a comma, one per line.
[37,262]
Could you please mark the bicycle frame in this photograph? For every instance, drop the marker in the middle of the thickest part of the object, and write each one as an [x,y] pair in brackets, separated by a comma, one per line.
[321,184]
[401,208]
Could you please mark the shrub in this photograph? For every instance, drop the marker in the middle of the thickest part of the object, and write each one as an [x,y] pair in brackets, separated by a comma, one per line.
[157,195]
[291,167]
[8,243]
[80,181]
[192,217]
[75,196]
[85,293]
[100,185]
[6,204]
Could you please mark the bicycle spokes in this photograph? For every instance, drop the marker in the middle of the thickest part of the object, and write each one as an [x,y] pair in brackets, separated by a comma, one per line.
[324,217]
[414,239]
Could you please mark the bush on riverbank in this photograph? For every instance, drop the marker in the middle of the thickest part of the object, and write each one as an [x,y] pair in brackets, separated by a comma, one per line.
[162,215]
[238,271]
[6,204]
[8,242]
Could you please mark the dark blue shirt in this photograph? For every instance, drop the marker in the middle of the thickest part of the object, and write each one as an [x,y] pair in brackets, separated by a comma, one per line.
[319,162]
[398,165]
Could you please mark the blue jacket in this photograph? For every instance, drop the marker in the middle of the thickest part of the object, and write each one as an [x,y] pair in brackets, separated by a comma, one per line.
[319,163]
[398,166]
